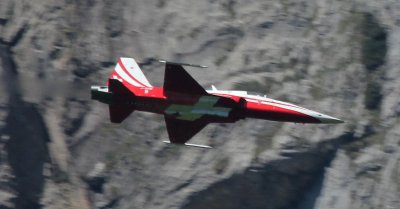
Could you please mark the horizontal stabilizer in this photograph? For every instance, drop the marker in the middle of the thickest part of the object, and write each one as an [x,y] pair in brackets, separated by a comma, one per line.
[120,93]
[118,113]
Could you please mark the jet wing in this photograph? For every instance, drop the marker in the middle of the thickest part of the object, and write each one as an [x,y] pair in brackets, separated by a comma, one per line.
[181,131]
[177,80]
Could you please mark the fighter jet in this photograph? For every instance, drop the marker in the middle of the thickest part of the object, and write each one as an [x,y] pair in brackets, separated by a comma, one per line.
[187,107]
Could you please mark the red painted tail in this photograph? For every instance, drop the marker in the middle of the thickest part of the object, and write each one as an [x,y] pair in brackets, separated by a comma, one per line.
[128,72]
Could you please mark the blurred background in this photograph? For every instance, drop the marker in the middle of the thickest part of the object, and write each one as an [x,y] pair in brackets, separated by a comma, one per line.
[59,150]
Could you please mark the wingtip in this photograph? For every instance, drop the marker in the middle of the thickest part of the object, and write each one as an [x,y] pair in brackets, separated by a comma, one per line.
[183,64]
[189,145]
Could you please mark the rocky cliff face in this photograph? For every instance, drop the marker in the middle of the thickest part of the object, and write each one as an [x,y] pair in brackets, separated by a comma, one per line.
[58,150]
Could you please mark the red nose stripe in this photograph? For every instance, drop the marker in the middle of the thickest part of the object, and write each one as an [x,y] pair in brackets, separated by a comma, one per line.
[279,113]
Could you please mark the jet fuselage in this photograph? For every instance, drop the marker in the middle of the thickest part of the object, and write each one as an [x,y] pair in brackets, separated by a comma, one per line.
[192,107]
[187,107]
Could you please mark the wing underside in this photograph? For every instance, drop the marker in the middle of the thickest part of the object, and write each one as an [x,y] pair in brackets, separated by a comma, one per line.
[181,131]
[177,80]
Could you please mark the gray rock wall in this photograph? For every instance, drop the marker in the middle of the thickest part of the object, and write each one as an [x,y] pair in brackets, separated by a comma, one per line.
[306,52]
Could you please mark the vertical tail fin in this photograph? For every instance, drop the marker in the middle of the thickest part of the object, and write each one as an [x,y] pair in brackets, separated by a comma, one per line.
[129,73]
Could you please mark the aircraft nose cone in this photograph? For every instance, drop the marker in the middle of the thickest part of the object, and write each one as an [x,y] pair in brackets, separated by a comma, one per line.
[329,119]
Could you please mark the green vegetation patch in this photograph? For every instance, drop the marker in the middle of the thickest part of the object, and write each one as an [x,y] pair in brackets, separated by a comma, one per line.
[374,45]
[373,56]
[221,164]
[255,86]
[373,95]
[264,139]
[353,149]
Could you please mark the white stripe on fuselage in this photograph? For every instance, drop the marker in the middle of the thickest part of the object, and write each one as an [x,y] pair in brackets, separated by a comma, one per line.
[267,101]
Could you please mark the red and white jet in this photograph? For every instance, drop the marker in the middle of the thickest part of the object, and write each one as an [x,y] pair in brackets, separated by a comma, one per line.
[187,107]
